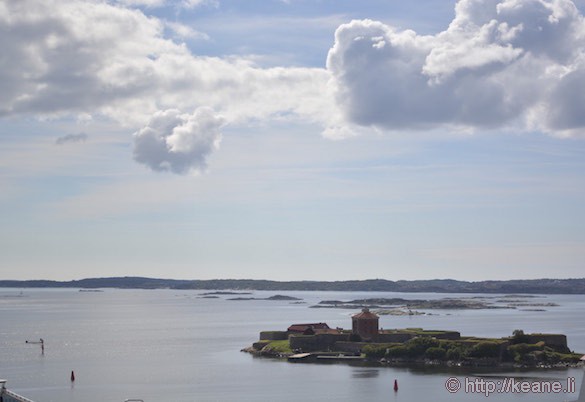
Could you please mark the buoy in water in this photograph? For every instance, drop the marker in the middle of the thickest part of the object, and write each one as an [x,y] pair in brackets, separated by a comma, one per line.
[395,385]
[72,375]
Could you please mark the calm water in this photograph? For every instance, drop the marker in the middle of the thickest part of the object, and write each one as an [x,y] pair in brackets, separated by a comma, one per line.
[173,346]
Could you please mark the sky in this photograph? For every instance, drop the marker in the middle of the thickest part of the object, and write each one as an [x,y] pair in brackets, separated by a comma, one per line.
[292,139]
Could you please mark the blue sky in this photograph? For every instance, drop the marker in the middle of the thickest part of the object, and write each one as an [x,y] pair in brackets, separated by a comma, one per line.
[292,140]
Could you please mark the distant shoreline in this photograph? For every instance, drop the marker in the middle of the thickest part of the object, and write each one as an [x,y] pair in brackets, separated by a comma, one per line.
[528,286]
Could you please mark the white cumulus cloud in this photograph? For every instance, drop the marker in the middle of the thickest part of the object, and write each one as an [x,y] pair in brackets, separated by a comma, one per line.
[499,63]
[176,142]
[176,3]
[63,57]
[88,58]
[183,31]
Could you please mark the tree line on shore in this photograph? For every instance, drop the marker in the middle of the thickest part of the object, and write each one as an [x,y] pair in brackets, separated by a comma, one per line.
[527,286]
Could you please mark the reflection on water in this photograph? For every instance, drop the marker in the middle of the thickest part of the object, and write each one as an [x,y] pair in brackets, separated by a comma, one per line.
[365,373]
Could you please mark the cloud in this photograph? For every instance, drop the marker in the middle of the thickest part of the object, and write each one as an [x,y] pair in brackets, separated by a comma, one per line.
[176,142]
[71,138]
[85,58]
[73,57]
[198,3]
[499,63]
[183,31]
[162,3]
[56,56]
[142,3]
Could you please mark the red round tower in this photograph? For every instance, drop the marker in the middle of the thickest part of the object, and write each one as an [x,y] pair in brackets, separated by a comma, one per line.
[365,324]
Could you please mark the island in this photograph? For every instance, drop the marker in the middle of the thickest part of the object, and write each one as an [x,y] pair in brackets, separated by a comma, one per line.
[272,298]
[366,342]
[400,306]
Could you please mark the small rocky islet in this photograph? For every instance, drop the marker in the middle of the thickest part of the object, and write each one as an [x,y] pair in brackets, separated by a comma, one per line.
[400,306]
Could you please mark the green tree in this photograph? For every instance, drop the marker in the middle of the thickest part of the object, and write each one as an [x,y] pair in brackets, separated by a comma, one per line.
[419,345]
[435,353]
[398,352]
[485,350]
[518,336]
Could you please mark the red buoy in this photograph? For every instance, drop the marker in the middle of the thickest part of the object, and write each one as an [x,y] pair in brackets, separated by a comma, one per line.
[395,385]
[72,376]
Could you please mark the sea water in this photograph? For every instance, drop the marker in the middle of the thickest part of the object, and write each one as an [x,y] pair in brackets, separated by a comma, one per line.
[175,346]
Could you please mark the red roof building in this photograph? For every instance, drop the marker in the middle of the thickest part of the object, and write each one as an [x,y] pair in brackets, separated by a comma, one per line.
[307,329]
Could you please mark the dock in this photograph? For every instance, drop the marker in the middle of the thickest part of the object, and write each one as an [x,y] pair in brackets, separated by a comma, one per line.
[324,356]
[340,357]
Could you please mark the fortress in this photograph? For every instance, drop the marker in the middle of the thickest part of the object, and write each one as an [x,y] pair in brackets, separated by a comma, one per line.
[365,330]
[366,339]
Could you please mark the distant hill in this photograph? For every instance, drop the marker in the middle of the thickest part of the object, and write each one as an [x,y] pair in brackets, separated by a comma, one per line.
[533,286]
[127,282]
